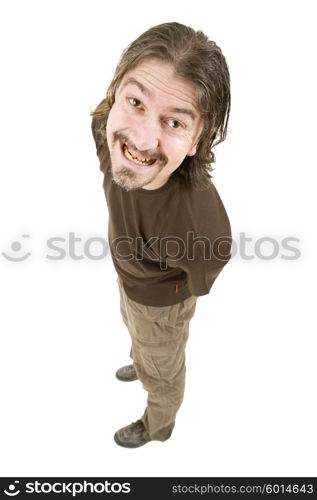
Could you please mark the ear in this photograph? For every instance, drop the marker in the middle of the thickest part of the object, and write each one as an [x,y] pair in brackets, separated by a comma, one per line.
[193,150]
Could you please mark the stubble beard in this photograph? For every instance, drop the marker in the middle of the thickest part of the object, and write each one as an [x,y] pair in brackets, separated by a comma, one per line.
[126,178]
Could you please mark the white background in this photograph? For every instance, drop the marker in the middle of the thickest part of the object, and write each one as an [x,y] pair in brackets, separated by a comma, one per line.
[250,401]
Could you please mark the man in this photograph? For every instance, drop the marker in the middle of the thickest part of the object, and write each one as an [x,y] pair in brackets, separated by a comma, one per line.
[166,107]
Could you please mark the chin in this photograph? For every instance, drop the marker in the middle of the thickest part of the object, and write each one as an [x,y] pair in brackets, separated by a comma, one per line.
[125,181]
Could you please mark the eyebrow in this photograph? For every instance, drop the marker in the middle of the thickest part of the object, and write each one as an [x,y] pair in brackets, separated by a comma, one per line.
[148,93]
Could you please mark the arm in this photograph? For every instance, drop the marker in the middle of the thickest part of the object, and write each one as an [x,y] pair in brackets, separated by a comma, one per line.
[203,263]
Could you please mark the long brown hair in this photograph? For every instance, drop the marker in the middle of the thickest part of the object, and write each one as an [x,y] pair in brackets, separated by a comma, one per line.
[196,59]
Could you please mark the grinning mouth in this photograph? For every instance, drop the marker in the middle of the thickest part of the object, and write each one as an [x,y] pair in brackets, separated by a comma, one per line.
[138,160]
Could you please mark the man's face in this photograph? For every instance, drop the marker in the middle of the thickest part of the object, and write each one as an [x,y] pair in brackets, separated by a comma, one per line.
[152,126]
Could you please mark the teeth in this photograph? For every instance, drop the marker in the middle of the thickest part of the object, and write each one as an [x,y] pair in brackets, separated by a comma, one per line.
[136,160]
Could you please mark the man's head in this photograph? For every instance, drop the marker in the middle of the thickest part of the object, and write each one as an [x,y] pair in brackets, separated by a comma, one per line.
[166,107]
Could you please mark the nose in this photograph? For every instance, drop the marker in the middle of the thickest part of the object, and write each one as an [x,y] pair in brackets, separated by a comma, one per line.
[146,135]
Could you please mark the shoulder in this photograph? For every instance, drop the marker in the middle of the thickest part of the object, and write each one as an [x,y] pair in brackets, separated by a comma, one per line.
[201,200]
[206,211]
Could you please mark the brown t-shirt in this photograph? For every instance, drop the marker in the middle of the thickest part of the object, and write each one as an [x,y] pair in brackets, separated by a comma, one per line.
[167,243]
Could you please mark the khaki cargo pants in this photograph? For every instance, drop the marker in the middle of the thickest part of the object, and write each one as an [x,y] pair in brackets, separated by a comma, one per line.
[159,336]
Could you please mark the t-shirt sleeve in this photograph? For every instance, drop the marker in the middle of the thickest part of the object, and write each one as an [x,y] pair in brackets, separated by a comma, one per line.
[203,263]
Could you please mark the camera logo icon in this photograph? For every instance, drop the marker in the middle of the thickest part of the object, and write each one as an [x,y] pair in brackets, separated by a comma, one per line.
[12,490]
[16,246]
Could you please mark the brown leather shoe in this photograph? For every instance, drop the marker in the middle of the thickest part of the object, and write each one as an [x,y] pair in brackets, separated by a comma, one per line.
[126,373]
[133,435]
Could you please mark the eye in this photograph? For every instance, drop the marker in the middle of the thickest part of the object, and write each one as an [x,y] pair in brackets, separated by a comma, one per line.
[174,124]
[134,102]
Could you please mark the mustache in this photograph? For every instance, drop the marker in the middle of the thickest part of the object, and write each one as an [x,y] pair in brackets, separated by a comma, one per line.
[117,136]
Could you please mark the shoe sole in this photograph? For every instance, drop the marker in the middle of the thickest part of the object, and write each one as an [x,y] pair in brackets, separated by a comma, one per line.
[122,379]
[128,445]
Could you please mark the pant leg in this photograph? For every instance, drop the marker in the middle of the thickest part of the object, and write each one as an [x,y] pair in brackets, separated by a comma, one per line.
[159,336]
[123,310]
